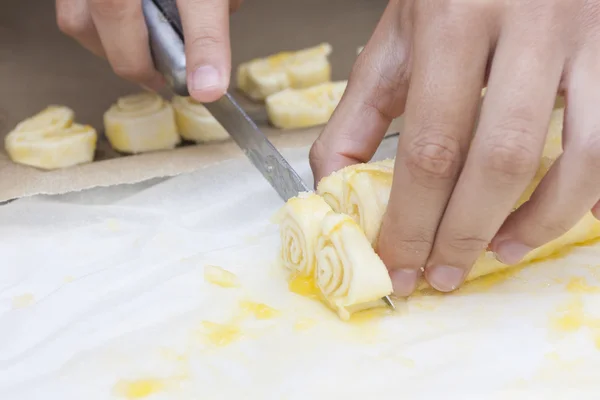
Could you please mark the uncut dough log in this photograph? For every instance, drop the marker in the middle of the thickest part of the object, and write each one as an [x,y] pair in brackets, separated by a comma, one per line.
[303,108]
[140,123]
[51,140]
[261,77]
[370,195]
[195,122]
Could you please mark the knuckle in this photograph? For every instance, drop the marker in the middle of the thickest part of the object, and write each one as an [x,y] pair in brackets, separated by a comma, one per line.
[510,152]
[454,19]
[549,227]
[461,243]
[207,37]
[70,25]
[408,252]
[433,157]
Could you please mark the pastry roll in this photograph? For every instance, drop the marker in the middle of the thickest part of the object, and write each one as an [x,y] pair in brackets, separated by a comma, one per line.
[141,122]
[195,122]
[303,108]
[299,226]
[50,140]
[362,191]
[262,77]
[349,274]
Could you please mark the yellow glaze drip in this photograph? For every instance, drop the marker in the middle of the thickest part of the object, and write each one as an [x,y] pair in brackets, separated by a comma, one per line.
[138,389]
[570,317]
[260,310]
[580,285]
[304,286]
[304,324]
[369,315]
[220,334]
[220,277]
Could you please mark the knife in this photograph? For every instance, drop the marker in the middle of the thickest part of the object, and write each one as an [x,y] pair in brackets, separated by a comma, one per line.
[165,32]
[166,43]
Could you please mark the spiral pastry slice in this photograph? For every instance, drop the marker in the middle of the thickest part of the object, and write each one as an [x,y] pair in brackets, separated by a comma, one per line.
[50,140]
[362,191]
[349,273]
[303,108]
[140,123]
[261,77]
[299,226]
[195,122]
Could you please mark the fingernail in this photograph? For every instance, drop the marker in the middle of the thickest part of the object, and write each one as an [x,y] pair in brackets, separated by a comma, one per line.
[404,281]
[445,278]
[511,252]
[206,77]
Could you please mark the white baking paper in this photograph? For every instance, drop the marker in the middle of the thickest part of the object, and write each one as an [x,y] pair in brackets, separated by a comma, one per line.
[102,296]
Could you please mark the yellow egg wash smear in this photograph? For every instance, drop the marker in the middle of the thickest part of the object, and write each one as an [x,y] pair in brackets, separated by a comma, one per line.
[221,334]
[220,277]
[572,317]
[138,389]
[259,310]
[306,286]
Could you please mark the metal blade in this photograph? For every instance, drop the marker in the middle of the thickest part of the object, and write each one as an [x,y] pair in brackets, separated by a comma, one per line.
[257,147]
[259,150]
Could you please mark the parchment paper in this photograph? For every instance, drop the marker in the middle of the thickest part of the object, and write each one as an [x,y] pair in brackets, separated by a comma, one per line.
[102,296]
[41,66]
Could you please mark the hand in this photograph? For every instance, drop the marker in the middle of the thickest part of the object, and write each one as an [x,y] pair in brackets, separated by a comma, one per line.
[455,181]
[116,30]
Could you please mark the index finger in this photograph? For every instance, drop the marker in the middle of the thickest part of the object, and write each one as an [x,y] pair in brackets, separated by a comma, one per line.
[375,95]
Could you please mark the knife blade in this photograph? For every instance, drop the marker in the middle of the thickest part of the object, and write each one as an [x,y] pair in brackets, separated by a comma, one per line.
[165,31]
[166,43]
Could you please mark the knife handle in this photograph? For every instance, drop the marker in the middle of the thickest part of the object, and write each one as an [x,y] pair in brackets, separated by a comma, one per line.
[167,48]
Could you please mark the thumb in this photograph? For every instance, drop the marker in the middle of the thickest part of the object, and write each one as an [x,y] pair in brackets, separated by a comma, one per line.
[207,47]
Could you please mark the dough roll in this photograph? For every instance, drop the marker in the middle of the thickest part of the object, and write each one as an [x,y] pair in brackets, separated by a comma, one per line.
[361,191]
[299,226]
[350,275]
[195,122]
[50,140]
[141,122]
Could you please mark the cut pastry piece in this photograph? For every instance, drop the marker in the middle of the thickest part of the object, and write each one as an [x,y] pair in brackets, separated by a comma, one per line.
[350,275]
[141,122]
[51,118]
[262,77]
[362,191]
[195,122]
[299,226]
[302,108]
[50,140]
